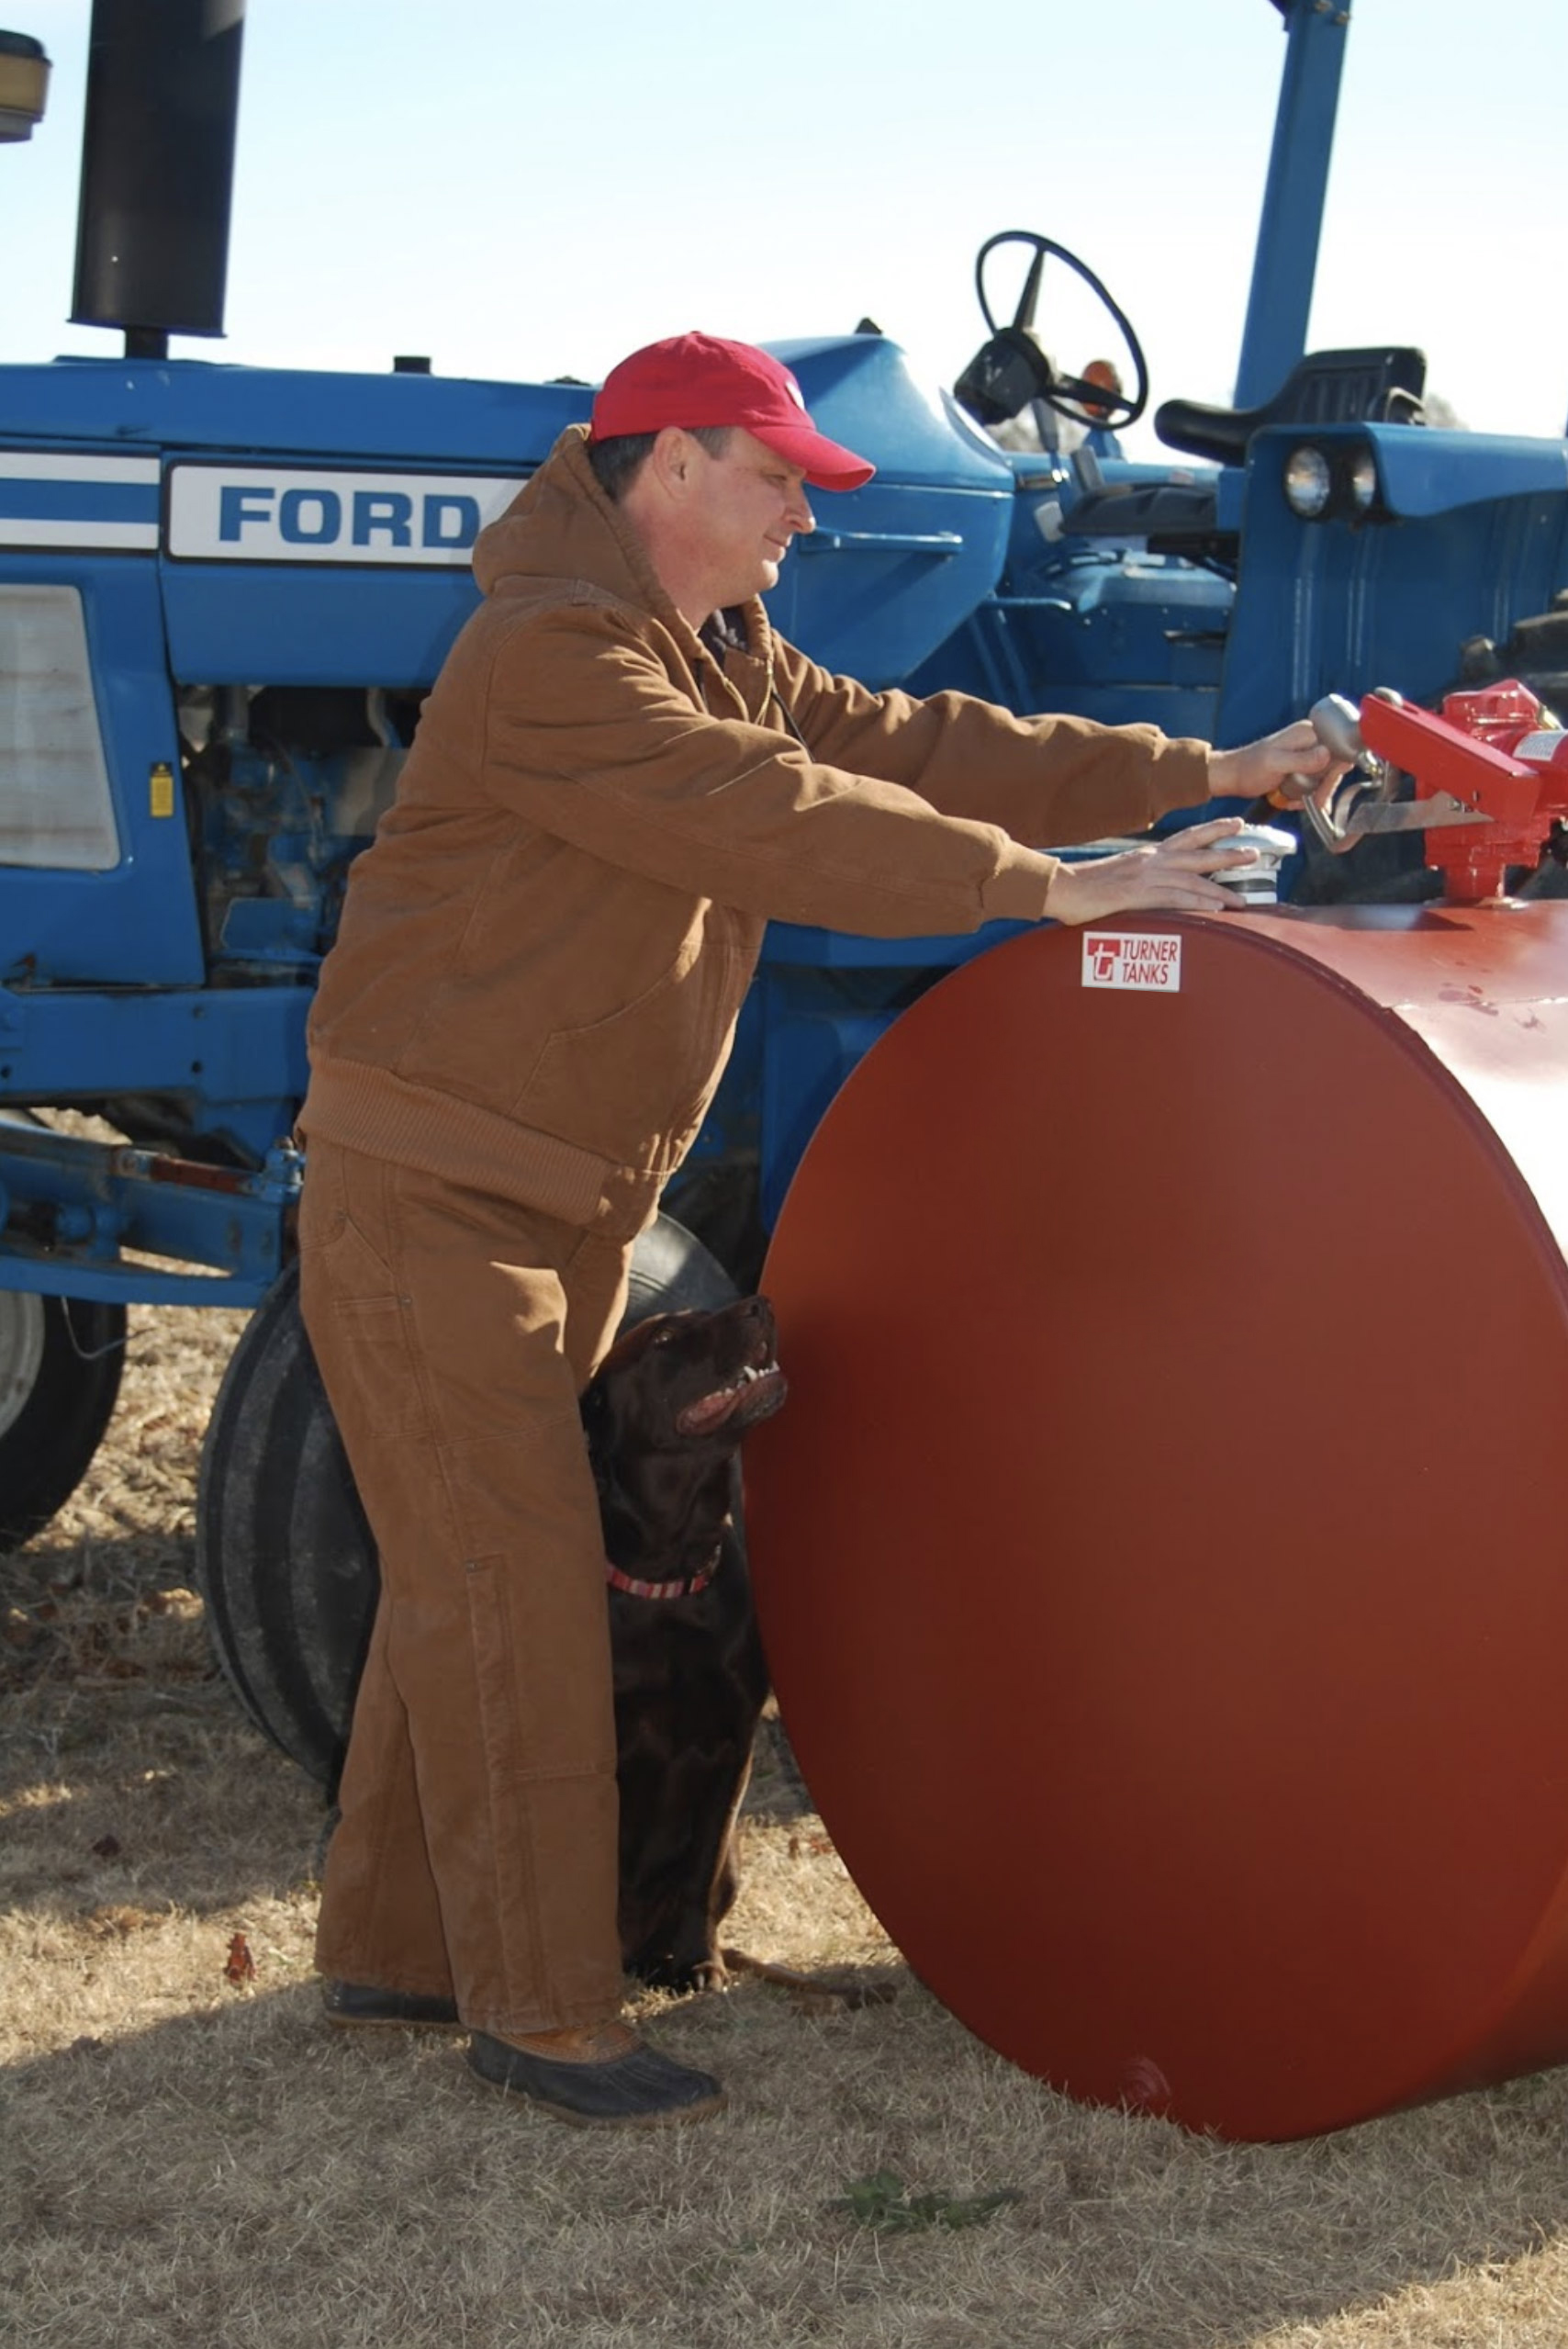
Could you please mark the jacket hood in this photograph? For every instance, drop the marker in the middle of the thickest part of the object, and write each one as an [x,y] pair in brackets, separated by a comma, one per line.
[562,526]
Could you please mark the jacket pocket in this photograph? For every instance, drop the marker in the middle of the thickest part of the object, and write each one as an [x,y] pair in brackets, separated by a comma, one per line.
[622,1084]
[625,1083]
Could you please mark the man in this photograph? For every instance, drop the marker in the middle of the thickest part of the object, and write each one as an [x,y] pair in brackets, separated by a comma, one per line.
[619,776]
[1040,425]
[1107,377]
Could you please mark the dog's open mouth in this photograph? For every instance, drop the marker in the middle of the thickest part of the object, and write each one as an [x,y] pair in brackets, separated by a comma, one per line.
[754,1393]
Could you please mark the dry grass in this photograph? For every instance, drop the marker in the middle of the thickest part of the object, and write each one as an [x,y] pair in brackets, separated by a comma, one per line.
[187,2164]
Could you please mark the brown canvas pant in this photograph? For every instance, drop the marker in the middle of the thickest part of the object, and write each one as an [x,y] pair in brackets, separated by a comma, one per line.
[477,1853]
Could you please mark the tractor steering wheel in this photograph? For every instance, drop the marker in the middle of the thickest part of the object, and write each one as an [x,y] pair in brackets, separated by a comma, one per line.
[1013,351]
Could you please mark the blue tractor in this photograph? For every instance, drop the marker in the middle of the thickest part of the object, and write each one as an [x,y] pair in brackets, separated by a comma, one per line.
[224,590]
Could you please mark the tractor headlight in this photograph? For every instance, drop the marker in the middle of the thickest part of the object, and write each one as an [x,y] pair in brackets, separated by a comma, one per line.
[1363,478]
[1307,481]
[1332,482]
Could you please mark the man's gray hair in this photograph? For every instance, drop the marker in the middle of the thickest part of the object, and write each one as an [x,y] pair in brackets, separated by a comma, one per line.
[616,463]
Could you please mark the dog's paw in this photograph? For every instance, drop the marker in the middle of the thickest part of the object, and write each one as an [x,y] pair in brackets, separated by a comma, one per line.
[711,1974]
[669,1971]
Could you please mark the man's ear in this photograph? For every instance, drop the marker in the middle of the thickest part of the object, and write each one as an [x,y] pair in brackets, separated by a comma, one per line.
[671,459]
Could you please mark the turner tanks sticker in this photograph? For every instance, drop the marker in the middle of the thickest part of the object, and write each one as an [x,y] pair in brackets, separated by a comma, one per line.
[1149,961]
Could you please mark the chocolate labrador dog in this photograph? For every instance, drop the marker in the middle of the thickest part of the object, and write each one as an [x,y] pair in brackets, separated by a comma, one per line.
[664,1418]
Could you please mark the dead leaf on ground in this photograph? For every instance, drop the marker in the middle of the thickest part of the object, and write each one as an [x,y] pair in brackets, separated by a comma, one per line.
[238,1966]
[117,1923]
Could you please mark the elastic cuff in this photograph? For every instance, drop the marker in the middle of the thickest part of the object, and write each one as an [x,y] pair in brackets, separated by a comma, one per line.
[1017,893]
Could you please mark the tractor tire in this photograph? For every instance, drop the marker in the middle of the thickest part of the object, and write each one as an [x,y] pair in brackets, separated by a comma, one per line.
[60,1359]
[285,1558]
[672,1272]
[285,1561]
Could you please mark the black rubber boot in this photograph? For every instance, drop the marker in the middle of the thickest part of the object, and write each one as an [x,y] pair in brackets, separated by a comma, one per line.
[357,2004]
[639,2090]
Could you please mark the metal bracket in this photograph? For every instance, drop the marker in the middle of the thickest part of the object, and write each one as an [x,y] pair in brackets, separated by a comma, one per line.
[76,1215]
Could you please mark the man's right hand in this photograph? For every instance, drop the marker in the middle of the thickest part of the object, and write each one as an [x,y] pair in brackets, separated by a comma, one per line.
[1170,873]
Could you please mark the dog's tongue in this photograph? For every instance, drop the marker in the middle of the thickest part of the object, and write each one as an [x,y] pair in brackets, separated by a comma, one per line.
[707,1410]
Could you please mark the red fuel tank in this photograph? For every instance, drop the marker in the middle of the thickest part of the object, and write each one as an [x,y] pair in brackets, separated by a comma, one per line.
[1163,1557]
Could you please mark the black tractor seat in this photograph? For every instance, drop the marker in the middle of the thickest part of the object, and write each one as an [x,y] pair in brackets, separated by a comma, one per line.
[1153,511]
[1371,386]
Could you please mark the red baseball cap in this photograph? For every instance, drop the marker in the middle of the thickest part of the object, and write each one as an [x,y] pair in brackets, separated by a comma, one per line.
[698,379]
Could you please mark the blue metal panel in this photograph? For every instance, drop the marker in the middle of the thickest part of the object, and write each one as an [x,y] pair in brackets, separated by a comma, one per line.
[890,575]
[236,1056]
[197,404]
[912,551]
[79,507]
[1345,606]
[859,387]
[333,573]
[230,623]
[1104,640]
[1425,472]
[860,391]
[794,946]
[892,567]
[136,925]
[1286,257]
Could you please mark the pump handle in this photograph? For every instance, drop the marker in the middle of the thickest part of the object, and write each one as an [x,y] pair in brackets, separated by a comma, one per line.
[1337,724]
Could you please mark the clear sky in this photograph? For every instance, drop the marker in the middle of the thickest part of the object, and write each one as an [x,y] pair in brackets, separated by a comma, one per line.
[523,188]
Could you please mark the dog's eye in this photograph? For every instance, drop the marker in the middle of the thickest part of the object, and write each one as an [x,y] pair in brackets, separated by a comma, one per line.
[664,1329]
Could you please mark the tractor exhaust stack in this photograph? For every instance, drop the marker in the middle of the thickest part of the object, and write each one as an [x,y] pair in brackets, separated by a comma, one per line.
[157,169]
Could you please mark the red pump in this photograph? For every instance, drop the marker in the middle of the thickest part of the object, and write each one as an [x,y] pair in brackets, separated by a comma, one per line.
[1491,781]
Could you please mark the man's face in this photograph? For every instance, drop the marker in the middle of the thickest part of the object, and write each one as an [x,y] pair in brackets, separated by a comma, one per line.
[744,508]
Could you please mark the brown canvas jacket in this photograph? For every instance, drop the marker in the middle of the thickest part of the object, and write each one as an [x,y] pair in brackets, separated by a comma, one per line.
[543,952]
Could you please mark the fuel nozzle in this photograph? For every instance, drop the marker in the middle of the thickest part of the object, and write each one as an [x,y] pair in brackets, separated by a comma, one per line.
[1337,725]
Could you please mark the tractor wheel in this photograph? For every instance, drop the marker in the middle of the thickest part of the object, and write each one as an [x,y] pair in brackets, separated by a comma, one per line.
[674,1273]
[60,1364]
[284,1559]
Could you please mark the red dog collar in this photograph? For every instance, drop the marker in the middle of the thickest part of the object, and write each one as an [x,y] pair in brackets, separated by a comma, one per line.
[658,1590]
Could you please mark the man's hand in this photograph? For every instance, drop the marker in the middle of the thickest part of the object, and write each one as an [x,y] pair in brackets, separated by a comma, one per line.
[1287,768]
[1171,872]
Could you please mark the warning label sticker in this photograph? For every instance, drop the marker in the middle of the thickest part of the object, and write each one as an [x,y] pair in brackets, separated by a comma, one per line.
[1143,958]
